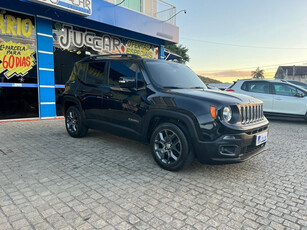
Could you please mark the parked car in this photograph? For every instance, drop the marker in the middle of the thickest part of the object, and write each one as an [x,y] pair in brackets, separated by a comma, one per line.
[299,83]
[280,98]
[165,104]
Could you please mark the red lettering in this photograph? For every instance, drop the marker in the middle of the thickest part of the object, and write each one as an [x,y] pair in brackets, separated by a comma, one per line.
[14,62]
[17,61]
[28,62]
[11,61]
[23,61]
[5,63]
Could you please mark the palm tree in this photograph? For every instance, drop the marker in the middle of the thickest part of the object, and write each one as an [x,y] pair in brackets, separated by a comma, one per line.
[258,73]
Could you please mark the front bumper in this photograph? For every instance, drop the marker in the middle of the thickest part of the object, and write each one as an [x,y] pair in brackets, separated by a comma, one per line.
[229,148]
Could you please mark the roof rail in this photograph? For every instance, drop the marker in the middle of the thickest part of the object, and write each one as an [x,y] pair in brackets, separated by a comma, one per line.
[110,55]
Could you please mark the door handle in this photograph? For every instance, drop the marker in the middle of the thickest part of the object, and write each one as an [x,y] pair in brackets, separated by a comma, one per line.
[278,99]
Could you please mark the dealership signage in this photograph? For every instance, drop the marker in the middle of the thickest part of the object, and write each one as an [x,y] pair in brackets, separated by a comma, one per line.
[68,38]
[82,7]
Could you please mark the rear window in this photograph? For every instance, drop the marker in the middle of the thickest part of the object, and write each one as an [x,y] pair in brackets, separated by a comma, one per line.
[232,85]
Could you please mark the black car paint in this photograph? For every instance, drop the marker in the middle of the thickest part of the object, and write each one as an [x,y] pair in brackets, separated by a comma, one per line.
[134,113]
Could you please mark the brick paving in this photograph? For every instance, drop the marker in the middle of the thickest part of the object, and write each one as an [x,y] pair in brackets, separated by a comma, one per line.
[49,180]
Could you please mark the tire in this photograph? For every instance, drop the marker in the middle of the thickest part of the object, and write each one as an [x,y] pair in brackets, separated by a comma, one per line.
[170,147]
[75,123]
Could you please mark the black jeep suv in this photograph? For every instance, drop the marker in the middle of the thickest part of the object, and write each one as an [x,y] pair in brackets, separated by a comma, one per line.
[164,104]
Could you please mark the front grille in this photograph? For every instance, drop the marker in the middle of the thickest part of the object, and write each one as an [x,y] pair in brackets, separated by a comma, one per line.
[251,113]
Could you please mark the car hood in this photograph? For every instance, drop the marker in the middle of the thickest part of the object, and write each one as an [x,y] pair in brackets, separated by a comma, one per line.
[216,96]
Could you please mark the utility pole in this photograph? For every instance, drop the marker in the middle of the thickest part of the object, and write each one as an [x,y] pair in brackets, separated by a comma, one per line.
[293,72]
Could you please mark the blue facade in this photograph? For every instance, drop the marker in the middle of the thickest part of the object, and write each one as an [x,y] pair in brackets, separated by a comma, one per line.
[45,67]
[106,18]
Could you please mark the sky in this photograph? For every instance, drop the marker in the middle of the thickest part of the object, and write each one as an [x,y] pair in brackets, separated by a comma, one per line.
[227,39]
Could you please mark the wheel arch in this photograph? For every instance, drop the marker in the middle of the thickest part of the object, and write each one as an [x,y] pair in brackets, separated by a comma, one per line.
[158,116]
[72,101]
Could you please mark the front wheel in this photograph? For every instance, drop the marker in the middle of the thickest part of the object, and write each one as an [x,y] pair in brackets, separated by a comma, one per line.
[170,147]
[75,123]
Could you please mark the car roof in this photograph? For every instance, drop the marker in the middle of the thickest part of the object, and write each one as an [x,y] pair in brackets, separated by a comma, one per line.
[269,80]
[112,57]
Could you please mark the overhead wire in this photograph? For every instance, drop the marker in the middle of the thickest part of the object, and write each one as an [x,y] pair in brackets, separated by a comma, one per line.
[253,47]
[244,46]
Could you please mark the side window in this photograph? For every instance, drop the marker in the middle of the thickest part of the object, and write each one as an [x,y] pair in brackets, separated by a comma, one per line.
[258,87]
[96,73]
[243,87]
[127,70]
[286,90]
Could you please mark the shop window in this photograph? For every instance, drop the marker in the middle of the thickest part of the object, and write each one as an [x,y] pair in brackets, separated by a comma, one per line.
[18,70]
[70,45]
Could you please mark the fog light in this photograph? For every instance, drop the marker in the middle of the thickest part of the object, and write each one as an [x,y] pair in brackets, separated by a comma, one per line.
[228,150]
[229,138]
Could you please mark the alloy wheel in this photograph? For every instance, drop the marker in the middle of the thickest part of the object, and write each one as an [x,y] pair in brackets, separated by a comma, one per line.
[72,122]
[167,146]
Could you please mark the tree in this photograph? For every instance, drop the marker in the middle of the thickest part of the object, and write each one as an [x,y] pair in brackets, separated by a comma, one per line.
[181,51]
[258,73]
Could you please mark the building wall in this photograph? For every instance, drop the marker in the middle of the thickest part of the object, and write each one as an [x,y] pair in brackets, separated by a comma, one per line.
[33,91]
[302,78]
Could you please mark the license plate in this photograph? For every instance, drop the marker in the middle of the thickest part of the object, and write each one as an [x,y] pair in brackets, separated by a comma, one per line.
[261,138]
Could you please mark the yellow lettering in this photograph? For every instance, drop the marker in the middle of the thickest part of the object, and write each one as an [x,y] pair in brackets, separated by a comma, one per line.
[2,25]
[24,27]
[18,26]
[10,22]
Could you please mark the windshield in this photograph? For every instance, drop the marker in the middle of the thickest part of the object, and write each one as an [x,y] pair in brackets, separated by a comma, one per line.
[301,84]
[173,75]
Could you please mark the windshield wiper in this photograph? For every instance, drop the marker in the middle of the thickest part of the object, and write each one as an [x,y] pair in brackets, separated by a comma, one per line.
[197,87]
[172,87]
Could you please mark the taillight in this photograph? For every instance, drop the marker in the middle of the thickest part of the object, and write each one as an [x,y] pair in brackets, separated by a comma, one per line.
[229,90]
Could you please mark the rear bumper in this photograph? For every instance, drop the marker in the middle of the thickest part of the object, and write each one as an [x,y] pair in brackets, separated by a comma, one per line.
[229,148]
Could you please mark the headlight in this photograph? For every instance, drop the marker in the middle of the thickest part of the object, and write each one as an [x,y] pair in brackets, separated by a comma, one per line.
[227,113]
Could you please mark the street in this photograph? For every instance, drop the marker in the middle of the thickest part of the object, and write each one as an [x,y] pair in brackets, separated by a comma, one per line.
[49,180]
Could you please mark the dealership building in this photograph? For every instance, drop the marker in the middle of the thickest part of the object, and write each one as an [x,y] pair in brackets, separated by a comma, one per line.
[40,40]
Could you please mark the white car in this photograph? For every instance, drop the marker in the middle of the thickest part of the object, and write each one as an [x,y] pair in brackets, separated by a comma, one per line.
[280,98]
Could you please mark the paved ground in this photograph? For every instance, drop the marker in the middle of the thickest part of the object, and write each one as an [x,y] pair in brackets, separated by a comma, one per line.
[49,180]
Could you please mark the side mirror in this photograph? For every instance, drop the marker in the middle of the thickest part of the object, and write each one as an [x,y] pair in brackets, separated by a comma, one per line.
[299,95]
[128,83]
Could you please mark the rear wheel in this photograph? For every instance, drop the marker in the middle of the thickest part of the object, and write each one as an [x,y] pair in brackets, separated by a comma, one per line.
[75,123]
[170,147]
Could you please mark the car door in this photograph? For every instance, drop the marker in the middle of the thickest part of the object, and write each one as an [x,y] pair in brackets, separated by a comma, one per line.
[125,106]
[92,88]
[261,90]
[289,100]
